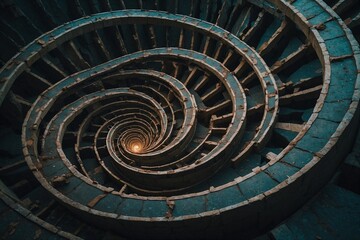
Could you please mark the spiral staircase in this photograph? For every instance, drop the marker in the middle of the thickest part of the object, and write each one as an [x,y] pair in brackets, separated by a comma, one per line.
[150,119]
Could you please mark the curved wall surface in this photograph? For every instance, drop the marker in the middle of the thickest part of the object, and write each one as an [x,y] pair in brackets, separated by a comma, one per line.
[172,119]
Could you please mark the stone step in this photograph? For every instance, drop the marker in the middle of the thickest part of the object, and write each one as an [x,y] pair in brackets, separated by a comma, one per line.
[333,214]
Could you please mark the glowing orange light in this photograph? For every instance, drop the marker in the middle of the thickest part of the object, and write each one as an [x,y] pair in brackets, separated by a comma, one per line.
[136,148]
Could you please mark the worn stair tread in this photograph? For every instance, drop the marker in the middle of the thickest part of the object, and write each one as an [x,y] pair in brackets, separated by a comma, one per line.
[332,214]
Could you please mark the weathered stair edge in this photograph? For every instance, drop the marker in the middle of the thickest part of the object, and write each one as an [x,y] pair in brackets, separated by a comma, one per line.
[32,220]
